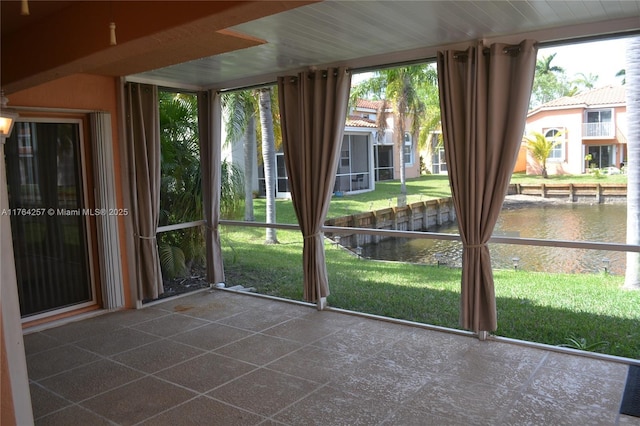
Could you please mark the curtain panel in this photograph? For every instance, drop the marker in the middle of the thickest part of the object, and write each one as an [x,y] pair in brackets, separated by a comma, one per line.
[143,139]
[209,112]
[313,108]
[484,98]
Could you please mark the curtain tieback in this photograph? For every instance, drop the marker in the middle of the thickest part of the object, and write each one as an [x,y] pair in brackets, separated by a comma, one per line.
[312,235]
[474,245]
[210,228]
[146,238]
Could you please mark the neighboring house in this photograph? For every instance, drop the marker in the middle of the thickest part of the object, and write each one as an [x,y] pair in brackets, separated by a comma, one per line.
[365,158]
[366,155]
[591,123]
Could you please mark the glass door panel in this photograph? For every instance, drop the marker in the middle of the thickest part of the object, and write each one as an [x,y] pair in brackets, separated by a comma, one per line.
[44,176]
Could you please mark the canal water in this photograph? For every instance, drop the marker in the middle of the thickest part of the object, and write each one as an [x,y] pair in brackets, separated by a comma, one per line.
[553,220]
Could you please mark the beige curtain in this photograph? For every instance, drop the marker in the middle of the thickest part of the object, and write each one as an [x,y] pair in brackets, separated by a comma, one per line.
[143,134]
[210,143]
[484,97]
[313,108]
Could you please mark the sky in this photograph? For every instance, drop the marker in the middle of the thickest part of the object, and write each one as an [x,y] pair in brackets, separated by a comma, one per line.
[602,58]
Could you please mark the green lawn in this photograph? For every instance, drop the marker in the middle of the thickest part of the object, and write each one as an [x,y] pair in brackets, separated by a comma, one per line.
[539,307]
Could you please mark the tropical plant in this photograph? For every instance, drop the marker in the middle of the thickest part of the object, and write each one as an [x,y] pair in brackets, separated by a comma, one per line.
[583,81]
[550,82]
[181,197]
[405,89]
[632,275]
[581,343]
[622,73]
[541,148]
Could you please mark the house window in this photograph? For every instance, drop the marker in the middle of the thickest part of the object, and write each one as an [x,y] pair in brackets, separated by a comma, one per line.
[556,136]
[408,149]
[599,123]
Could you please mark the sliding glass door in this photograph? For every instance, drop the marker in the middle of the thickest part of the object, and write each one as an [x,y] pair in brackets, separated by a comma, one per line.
[48,216]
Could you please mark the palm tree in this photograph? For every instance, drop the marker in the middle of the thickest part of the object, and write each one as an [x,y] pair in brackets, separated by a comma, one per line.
[240,116]
[622,73]
[583,81]
[541,148]
[550,82]
[269,160]
[543,65]
[401,88]
[632,74]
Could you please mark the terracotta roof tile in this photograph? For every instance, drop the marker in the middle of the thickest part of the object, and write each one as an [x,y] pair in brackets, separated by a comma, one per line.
[606,95]
[365,103]
[357,121]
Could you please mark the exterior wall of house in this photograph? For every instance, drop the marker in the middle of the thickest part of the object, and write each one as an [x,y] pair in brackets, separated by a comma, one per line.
[576,143]
[570,122]
[75,95]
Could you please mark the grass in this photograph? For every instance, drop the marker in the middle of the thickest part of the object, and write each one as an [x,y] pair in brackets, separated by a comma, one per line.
[557,309]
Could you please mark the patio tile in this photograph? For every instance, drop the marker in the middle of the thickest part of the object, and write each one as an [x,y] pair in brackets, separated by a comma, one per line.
[583,389]
[120,340]
[411,417]
[584,365]
[90,380]
[462,401]
[137,401]
[37,342]
[539,410]
[301,330]
[206,372]
[157,355]
[257,319]
[170,324]
[330,406]
[259,349]
[44,401]
[382,379]
[205,412]
[78,330]
[212,336]
[264,392]
[73,415]
[355,342]
[317,364]
[56,360]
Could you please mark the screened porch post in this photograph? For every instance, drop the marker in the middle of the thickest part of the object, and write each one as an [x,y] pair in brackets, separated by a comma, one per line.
[484,97]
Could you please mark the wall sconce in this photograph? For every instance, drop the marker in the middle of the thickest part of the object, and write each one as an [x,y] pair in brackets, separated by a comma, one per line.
[516,262]
[7,117]
[605,265]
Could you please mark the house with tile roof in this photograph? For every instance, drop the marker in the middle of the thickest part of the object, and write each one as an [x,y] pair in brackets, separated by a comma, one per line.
[367,154]
[592,128]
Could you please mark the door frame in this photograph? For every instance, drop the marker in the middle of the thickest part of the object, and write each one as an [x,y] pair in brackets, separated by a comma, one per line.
[89,222]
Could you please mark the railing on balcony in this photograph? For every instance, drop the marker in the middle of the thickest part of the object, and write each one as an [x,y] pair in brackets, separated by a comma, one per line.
[598,130]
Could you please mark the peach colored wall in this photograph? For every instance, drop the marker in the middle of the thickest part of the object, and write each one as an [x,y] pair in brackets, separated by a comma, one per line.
[83,92]
[572,120]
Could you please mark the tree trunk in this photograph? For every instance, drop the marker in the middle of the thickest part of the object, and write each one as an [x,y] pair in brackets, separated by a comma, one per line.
[632,275]
[399,136]
[249,158]
[269,160]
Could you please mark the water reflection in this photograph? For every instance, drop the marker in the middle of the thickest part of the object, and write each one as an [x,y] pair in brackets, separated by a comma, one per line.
[555,221]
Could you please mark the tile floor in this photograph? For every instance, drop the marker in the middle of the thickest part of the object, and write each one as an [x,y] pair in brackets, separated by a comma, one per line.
[220,358]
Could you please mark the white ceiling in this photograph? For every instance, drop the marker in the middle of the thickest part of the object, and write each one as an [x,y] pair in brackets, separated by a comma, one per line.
[369,33]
